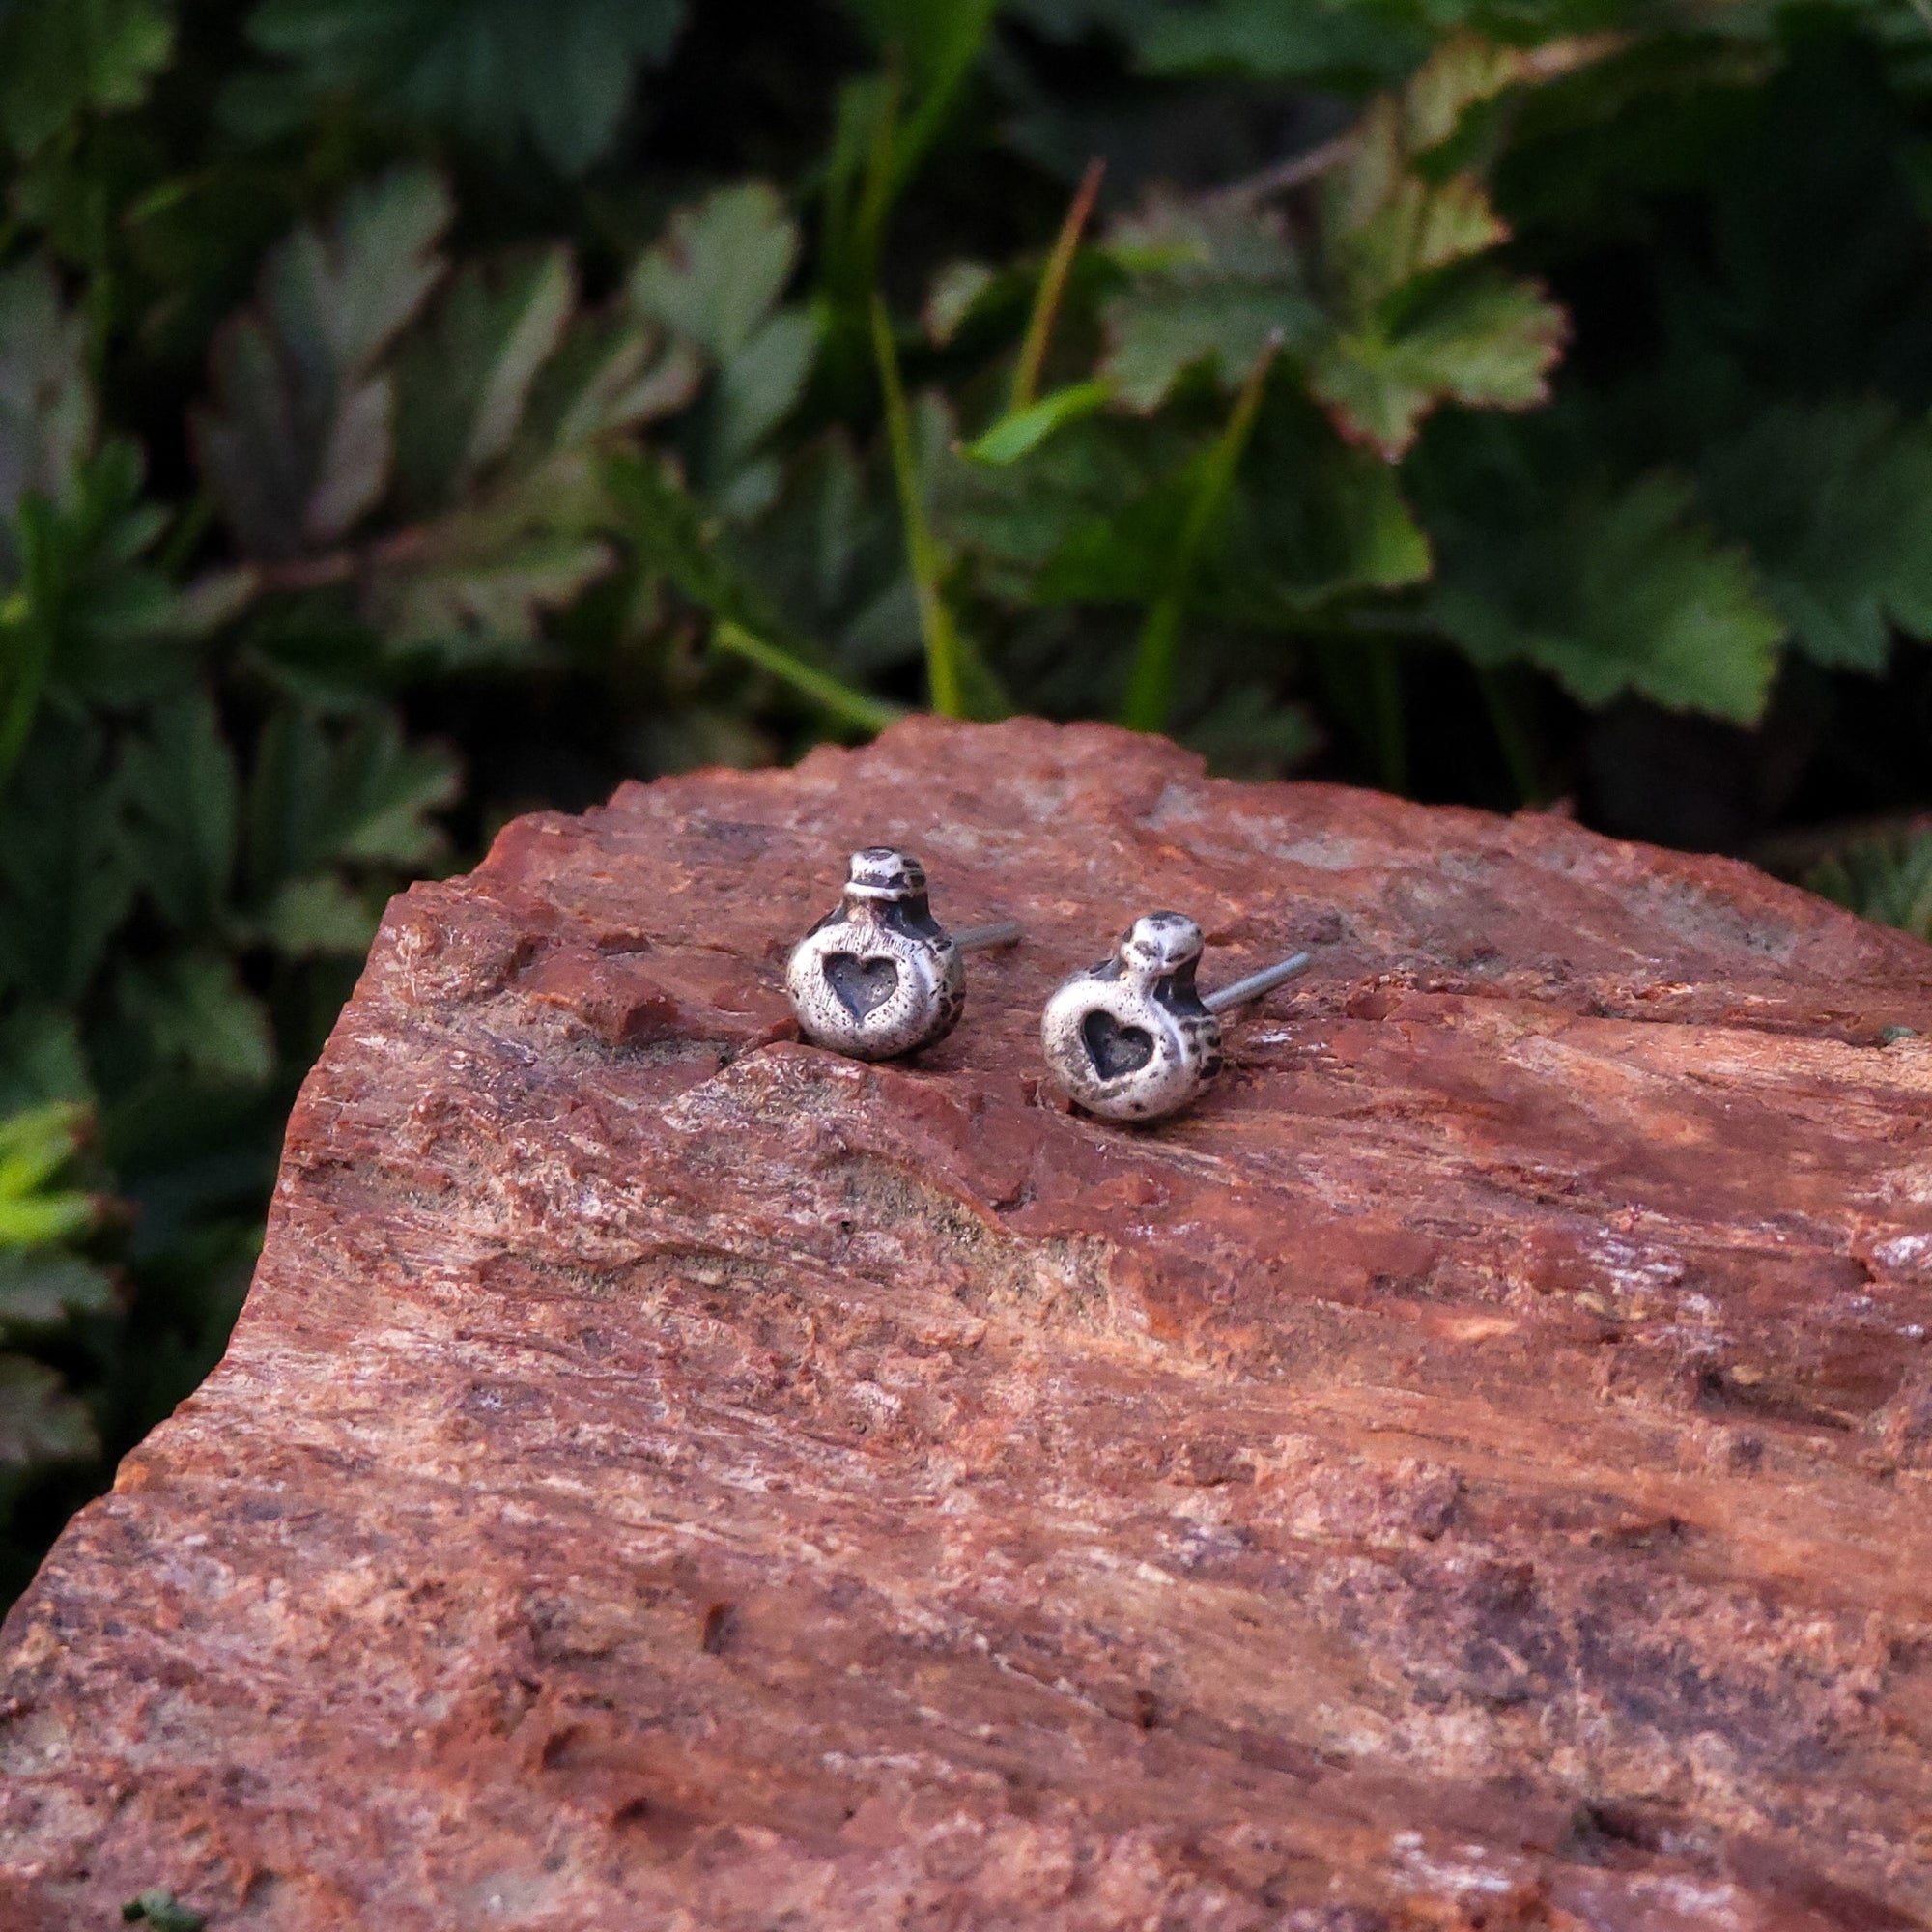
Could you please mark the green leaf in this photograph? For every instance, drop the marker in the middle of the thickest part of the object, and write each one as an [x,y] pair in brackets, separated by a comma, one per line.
[1413,335]
[509,403]
[91,623]
[675,541]
[1214,284]
[463,380]
[1024,525]
[610,376]
[1313,521]
[42,1288]
[318,918]
[195,1012]
[1263,40]
[66,876]
[1882,879]
[165,1911]
[1416,226]
[561,74]
[40,1422]
[46,404]
[475,584]
[34,1220]
[1149,694]
[1387,220]
[956,294]
[41,1058]
[59,58]
[36,1145]
[322,795]
[297,444]
[1465,69]
[1021,432]
[1834,500]
[760,384]
[1613,592]
[184,794]
[1310,521]
[719,268]
[1480,339]
[714,281]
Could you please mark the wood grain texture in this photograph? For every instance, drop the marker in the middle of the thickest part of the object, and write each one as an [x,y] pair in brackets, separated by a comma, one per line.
[1468,1475]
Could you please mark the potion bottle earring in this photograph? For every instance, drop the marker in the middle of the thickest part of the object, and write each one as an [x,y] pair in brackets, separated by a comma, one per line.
[1132,1039]
[880,977]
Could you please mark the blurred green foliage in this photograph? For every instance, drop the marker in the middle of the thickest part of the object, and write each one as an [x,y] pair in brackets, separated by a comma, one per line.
[413,410]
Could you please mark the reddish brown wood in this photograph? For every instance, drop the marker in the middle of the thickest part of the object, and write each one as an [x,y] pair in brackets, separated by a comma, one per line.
[1471,1472]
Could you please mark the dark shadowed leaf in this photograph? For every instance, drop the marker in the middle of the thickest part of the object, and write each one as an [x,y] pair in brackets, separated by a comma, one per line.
[1610,589]
[183,798]
[296,443]
[61,57]
[463,382]
[112,628]
[476,587]
[195,1012]
[714,281]
[40,1422]
[325,794]
[41,1288]
[46,405]
[560,72]
[66,876]
[1323,40]
[1836,501]
[1311,520]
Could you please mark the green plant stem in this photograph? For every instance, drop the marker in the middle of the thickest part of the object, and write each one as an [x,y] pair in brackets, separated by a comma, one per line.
[924,125]
[1518,752]
[1053,286]
[1391,740]
[839,699]
[1150,685]
[878,189]
[895,149]
[935,620]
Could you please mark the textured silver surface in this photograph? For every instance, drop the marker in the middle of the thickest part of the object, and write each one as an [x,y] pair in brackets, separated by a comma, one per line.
[879,977]
[1129,1039]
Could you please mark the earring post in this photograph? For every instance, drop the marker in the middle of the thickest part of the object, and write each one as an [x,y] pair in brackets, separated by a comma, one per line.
[1257,983]
[1006,932]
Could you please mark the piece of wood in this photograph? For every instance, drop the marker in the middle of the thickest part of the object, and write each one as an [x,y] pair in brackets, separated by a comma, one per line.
[1469,1472]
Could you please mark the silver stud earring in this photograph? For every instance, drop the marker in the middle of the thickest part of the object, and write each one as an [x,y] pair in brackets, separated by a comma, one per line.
[1131,1039]
[881,976]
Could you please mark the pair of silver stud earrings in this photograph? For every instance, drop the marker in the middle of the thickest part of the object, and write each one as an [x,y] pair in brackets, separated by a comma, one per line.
[1129,1039]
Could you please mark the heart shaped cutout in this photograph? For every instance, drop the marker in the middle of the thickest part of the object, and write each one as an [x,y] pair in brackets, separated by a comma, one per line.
[863,986]
[1113,1048]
